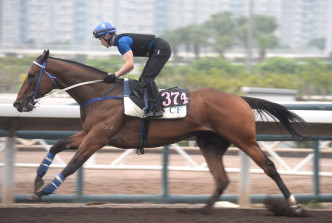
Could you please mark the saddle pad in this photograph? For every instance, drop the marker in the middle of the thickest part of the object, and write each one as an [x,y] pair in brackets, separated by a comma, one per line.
[171,112]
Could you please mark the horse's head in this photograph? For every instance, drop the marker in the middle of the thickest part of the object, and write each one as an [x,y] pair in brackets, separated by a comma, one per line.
[37,83]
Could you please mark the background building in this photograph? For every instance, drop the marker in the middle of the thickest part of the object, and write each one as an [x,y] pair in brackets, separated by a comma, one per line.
[303,20]
[29,23]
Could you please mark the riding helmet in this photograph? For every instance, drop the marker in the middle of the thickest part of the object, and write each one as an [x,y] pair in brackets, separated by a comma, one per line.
[103,28]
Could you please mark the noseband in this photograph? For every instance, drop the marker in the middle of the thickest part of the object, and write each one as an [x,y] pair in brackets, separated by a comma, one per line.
[40,74]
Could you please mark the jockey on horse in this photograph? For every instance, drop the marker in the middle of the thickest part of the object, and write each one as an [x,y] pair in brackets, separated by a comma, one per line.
[137,45]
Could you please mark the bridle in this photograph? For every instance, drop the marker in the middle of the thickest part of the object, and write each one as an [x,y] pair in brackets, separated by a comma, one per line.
[43,67]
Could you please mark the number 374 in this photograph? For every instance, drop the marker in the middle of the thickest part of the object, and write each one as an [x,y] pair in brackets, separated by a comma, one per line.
[169,97]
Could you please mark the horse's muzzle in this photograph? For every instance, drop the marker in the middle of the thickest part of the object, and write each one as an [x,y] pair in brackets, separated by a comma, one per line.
[24,107]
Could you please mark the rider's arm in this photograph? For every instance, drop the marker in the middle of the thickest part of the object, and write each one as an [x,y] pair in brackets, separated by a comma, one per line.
[128,57]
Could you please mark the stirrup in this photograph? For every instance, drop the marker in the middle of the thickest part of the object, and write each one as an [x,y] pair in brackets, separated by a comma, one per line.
[152,114]
[158,113]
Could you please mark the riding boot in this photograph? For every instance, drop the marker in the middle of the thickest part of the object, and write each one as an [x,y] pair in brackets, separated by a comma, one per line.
[155,108]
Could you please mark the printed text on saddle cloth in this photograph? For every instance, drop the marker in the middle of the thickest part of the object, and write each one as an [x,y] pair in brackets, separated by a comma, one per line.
[174,98]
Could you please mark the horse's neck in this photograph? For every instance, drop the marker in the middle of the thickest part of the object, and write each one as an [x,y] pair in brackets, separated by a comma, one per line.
[68,75]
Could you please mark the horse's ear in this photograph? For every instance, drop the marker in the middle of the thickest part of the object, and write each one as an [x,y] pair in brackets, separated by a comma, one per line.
[45,55]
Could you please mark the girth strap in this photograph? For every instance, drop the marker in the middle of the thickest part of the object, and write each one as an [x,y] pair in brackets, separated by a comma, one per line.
[100,99]
[103,97]
[145,128]
[144,136]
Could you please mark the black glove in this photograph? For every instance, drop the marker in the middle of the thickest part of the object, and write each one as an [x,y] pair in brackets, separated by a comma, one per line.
[110,78]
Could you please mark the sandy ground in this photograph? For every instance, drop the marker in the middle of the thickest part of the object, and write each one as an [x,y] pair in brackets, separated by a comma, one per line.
[142,182]
[138,182]
[154,214]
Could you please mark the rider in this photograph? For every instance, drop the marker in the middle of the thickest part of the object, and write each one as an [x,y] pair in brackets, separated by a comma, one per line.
[137,45]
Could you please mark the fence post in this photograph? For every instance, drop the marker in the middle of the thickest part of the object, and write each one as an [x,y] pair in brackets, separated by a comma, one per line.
[79,183]
[244,180]
[8,172]
[164,185]
[316,168]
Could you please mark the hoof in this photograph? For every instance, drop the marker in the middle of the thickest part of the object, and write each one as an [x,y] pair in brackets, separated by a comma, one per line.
[282,208]
[298,212]
[205,211]
[34,198]
[38,184]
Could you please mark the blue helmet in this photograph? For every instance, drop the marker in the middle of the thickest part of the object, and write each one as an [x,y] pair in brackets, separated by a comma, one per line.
[103,28]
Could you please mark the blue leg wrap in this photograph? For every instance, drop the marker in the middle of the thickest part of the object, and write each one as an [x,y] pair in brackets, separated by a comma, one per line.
[56,182]
[42,169]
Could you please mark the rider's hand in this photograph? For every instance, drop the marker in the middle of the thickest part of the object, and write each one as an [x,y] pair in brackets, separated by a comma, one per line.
[110,78]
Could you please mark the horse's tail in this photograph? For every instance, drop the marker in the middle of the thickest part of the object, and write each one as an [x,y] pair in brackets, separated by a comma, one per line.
[278,112]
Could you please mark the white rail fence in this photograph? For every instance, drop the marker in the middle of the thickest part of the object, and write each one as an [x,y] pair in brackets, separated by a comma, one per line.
[64,118]
[190,165]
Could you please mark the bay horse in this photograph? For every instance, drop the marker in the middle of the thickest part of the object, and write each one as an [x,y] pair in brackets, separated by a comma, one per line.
[217,119]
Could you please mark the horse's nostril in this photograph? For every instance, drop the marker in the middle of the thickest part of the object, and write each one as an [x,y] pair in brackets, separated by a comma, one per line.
[16,104]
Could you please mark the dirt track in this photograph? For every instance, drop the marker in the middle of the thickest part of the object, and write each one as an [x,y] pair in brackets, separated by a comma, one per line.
[157,213]
[140,182]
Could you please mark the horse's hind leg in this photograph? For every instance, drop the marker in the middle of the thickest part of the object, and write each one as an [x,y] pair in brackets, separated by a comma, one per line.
[72,142]
[213,148]
[255,152]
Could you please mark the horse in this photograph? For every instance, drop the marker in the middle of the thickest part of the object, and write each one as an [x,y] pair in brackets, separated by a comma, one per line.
[215,118]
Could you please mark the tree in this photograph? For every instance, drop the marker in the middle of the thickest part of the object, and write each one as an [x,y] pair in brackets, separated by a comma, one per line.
[240,31]
[173,37]
[197,38]
[221,29]
[263,28]
[315,76]
[277,65]
[318,43]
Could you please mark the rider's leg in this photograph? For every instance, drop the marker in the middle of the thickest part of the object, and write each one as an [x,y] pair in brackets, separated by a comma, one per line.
[155,106]
[154,65]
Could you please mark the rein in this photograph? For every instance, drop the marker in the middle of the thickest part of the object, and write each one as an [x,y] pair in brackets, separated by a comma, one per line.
[68,88]
[102,97]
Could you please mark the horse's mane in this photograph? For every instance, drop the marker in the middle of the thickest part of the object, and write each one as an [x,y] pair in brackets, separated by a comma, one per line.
[81,65]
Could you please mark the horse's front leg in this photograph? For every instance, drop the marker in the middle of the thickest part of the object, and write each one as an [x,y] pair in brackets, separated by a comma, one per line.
[89,146]
[72,142]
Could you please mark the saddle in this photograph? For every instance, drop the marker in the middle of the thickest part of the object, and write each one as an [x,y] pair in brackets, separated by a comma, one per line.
[174,100]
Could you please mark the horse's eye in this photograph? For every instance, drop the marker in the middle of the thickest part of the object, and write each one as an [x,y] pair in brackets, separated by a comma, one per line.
[30,76]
